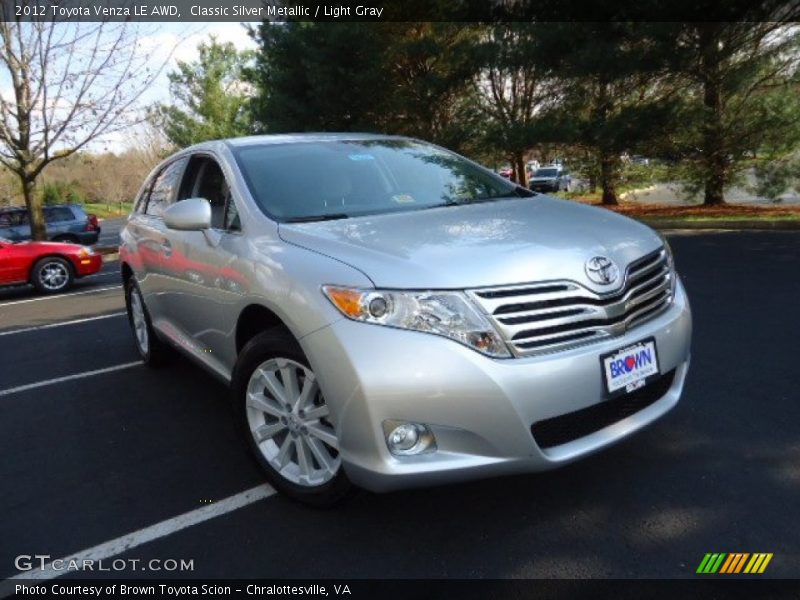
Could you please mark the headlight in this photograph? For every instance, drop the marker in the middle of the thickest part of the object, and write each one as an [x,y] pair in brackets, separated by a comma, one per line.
[85,251]
[449,314]
[673,275]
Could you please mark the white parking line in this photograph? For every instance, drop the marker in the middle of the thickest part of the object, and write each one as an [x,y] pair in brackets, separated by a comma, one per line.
[46,382]
[92,291]
[61,324]
[151,533]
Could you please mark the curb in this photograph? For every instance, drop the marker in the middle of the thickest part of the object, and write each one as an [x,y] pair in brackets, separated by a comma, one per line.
[737,225]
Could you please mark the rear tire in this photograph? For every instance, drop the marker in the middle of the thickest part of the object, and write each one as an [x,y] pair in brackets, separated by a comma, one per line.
[153,351]
[51,275]
[276,399]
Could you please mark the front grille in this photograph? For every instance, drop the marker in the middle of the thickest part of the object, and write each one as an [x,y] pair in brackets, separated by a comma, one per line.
[575,425]
[555,315]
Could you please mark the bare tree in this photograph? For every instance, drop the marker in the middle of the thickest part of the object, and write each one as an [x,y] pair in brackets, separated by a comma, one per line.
[71,83]
[149,144]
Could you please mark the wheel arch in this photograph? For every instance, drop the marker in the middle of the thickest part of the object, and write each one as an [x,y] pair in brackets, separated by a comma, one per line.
[38,259]
[254,319]
[127,273]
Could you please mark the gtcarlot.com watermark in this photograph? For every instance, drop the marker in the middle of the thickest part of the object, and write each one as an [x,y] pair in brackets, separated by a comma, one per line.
[31,563]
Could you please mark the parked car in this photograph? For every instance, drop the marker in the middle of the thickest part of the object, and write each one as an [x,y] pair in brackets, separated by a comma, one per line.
[406,317]
[50,267]
[552,178]
[64,223]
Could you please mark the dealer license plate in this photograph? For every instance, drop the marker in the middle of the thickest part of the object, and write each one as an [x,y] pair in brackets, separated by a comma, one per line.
[629,368]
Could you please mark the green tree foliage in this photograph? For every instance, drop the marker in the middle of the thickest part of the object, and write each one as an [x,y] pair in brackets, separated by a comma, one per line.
[52,194]
[713,98]
[516,89]
[741,99]
[210,97]
[62,193]
[616,95]
[775,176]
[403,78]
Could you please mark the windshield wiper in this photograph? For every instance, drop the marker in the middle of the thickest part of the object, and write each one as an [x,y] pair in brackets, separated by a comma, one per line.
[312,218]
[518,192]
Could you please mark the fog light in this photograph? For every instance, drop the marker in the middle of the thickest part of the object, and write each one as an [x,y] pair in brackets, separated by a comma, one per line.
[404,439]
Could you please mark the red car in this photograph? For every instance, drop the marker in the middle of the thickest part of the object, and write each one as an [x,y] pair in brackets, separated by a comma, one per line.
[50,266]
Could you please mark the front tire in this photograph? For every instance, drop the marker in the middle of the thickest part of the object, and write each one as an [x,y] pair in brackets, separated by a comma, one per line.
[51,275]
[285,420]
[153,351]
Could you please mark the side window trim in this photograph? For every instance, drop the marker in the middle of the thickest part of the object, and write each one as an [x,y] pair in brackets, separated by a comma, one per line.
[144,196]
[228,201]
[171,198]
[199,177]
[208,156]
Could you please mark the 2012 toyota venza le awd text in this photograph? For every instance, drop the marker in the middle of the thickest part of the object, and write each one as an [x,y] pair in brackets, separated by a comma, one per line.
[390,314]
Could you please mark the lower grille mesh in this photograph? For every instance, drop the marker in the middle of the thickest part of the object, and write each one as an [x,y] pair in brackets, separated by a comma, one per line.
[575,425]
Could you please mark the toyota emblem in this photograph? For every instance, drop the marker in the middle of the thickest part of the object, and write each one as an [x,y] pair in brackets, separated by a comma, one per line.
[602,270]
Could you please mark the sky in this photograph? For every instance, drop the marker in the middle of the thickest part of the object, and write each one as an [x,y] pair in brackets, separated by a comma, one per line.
[163,45]
[173,42]
[182,40]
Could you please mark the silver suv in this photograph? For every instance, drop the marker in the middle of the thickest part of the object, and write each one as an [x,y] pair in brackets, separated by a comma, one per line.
[390,314]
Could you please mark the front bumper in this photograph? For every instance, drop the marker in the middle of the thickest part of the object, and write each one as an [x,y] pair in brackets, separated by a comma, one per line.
[479,409]
[87,265]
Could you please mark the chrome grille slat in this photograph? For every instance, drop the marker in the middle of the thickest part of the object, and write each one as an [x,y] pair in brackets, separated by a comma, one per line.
[628,300]
[659,289]
[595,331]
[645,263]
[544,314]
[650,271]
[491,305]
[552,320]
[554,315]
[597,325]
[659,276]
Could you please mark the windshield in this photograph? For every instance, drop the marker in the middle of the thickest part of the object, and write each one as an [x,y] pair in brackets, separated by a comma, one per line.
[546,173]
[339,179]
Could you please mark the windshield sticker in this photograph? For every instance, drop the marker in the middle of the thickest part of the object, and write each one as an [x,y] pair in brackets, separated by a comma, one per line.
[403,199]
[360,157]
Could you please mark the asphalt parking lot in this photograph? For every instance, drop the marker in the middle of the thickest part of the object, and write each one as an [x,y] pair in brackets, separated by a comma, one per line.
[97,447]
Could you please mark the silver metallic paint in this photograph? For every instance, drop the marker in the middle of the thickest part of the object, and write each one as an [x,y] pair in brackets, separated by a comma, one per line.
[480,409]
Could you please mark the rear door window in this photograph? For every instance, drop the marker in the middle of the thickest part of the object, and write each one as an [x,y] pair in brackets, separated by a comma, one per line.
[58,214]
[19,217]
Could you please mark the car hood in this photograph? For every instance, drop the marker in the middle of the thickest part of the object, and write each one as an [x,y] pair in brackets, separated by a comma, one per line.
[494,243]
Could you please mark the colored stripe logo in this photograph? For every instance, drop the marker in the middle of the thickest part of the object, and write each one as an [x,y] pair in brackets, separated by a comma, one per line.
[734,562]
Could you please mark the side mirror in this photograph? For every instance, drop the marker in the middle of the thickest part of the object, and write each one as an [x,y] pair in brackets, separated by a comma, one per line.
[193,214]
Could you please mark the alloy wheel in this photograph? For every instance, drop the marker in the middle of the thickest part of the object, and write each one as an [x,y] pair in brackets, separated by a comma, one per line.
[53,276]
[139,321]
[288,419]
